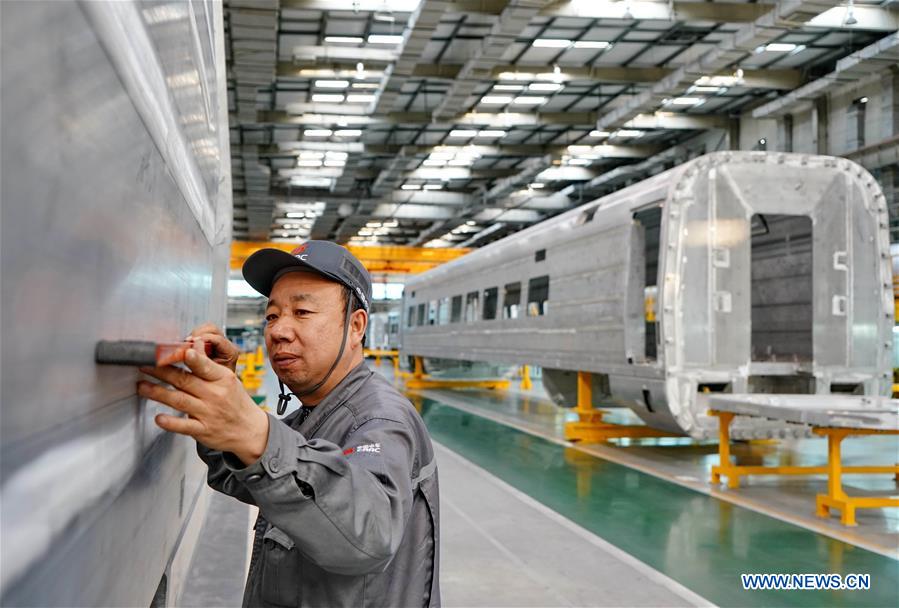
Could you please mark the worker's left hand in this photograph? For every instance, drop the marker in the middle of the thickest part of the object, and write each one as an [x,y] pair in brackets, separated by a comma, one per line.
[220,413]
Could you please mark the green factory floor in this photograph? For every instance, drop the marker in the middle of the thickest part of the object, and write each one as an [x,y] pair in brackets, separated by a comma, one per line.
[695,539]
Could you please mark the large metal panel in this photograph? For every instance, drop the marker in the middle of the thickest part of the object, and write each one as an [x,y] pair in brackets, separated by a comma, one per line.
[115,224]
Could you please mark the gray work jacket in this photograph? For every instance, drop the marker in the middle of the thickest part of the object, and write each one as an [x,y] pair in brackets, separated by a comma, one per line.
[348,502]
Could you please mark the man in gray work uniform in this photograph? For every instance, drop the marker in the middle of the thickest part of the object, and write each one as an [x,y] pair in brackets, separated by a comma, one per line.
[347,485]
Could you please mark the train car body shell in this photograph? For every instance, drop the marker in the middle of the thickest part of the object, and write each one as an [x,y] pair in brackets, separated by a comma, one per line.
[818,306]
[116,214]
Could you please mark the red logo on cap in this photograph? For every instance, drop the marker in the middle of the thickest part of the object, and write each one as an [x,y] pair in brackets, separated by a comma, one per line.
[299,249]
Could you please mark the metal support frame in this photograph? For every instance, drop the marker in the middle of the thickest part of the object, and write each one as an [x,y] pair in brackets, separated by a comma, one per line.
[418,379]
[377,353]
[526,383]
[835,498]
[590,427]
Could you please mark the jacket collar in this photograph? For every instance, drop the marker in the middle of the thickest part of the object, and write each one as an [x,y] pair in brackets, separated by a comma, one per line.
[339,395]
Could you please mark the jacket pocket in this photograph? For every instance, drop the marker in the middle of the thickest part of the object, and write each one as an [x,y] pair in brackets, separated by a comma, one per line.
[280,569]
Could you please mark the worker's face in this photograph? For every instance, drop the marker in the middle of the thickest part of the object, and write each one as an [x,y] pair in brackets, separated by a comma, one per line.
[304,328]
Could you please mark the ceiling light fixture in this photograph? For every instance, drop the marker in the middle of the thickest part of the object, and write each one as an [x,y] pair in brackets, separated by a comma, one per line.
[526,100]
[359,98]
[326,98]
[776,47]
[317,133]
[686,101]
[592,44]
[463,133]
[433,186]
[491,133]
[507,87]
[545,86]
[551,43]
[496,99]
[411,187]
[384,39]
[332,84]
[628,133]
[344,39]
[348,132]
[595,133]
[850,15]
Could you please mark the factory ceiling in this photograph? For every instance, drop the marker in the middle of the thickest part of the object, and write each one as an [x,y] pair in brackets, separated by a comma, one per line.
[455,122]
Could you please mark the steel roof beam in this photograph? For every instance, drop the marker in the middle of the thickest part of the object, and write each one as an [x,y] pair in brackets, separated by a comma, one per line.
[784,16]
[762,79]
[881,55]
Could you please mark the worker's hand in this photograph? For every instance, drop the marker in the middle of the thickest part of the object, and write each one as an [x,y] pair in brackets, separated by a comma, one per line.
[220,413]
[224,352]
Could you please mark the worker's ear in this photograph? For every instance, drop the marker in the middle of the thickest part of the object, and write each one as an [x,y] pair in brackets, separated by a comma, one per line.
[358,323]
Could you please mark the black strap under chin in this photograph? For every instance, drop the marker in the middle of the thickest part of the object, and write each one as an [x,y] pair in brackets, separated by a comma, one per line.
[284,397]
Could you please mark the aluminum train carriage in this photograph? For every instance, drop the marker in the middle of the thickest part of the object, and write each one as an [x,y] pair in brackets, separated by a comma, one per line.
[116,214]
[738,272]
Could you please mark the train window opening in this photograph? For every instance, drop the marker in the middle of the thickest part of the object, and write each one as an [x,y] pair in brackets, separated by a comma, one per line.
[491,297]
[432,312]
[410,316]
[786,385]
[456,313]
[714,387]
[650,223]
[511,300]
[540,255]
[781,288]
[847,388]
[538,296]
[443,312]
[471,307]
[421,314]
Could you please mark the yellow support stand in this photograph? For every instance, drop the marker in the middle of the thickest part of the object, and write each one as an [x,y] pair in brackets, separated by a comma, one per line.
[377,353]
[835,497]
[590,427]
[526,383]
[419,380]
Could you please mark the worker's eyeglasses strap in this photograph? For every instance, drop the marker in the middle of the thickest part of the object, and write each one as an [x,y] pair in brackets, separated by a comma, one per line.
[284,396]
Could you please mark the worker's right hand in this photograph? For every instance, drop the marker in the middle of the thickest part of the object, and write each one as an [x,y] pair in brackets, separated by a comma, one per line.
[224,352]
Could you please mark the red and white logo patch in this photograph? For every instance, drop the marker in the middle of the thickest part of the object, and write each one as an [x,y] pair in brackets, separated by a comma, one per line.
[370,448]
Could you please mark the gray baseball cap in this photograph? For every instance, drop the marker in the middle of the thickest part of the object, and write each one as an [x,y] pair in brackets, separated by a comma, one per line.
[328,259]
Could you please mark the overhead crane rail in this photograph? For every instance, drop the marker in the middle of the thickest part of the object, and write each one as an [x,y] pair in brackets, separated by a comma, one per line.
[377,260]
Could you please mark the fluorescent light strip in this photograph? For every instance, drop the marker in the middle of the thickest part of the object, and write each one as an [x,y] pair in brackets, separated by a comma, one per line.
[592,44]
[327,98]
[332,84]
[384,39]
[317,133]
[491,133]
[544,86]
[348,132]
[529,101]
[344,39]
[462,133]
[551,43]
[358,98]
[496,100]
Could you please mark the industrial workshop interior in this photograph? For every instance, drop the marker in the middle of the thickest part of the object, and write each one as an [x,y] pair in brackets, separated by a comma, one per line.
[463,303]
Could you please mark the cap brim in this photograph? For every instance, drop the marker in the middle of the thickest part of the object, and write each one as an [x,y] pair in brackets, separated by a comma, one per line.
[260,268]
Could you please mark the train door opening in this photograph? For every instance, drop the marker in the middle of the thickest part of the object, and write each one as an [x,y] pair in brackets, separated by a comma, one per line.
[781,288]
[650,224]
